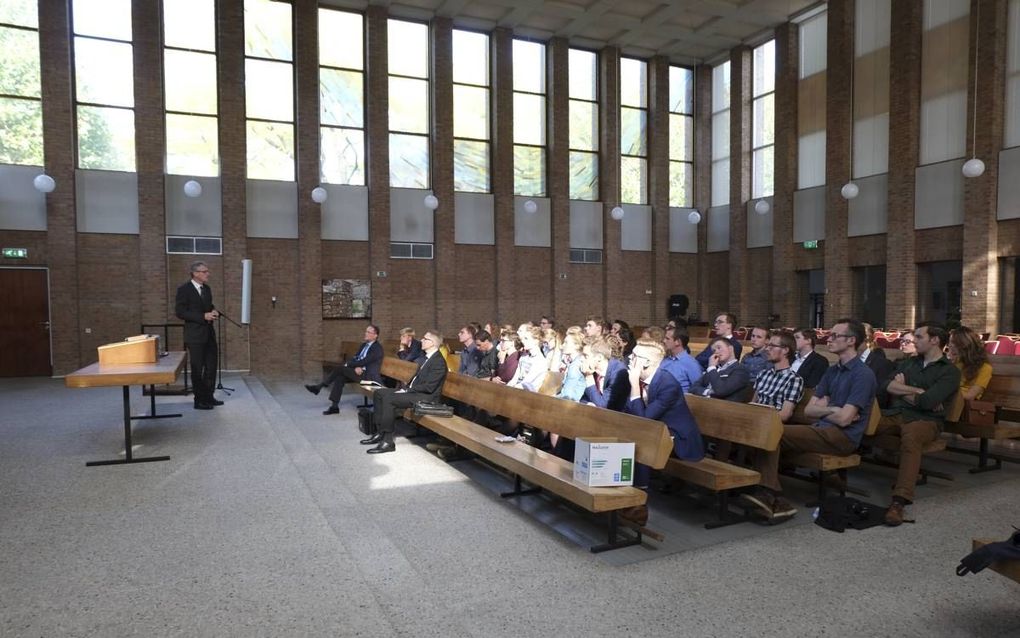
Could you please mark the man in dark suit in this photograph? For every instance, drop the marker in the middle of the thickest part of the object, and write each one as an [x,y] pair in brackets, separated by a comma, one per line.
[365,366]
[808,364]
[606,381]
[726,378]
[195,307]
[426,385]
[410,348]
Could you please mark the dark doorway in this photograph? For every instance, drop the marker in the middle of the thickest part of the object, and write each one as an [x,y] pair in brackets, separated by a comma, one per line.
[869,295]
[939,292]
[24,323]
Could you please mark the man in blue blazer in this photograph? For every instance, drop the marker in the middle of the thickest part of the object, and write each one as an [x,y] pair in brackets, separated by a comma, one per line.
[659,397]
[606,381]
[365,366]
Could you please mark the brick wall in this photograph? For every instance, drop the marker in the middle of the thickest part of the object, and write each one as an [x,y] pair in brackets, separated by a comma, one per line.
[276,331]
[784,276]
[108,290]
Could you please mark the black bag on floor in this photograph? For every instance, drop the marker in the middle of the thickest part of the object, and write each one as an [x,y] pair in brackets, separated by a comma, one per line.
[840,512]
[365,423]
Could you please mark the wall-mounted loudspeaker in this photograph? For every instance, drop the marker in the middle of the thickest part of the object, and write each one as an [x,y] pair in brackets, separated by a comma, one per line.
[245,291]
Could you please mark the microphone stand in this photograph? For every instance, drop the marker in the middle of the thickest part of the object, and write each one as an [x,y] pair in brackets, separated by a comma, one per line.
[223,350]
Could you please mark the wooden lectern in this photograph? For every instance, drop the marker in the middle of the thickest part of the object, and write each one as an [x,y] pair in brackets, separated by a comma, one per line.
[137,349]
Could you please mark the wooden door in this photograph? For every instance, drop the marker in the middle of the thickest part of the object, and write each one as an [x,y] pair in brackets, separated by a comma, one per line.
[24,323]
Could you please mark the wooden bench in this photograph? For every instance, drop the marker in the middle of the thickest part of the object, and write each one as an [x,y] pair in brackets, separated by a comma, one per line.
[540,469]
[1009,569]
[891,443]
[1004,392]
[754,426]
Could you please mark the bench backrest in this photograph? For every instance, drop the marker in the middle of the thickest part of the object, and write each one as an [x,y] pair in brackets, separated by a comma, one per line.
[1003,391]
[756,426]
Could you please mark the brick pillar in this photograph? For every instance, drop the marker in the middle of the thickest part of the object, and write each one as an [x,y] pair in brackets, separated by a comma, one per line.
[838,138]
[740,181]
[150,150]
[784,277]
[609,168]
[702,181]
[658,185]
[503,171]
[233,173]
[558,136]
[377,143]
[904,148]
[306,136]
[988,19]
[445,267]
[61,222]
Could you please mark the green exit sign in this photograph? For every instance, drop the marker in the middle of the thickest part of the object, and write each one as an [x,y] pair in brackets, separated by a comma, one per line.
[811,244]
[15,253]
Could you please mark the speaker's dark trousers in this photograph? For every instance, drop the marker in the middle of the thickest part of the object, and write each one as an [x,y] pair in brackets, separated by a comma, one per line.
[336,380]
[203,368]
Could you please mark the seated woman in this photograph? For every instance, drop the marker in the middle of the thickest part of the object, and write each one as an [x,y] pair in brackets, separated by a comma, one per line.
[570,367]
[532,366]
[509,354]
[552,345]
[967,351]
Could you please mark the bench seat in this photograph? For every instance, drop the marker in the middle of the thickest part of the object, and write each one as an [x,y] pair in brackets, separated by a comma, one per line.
[712,474]
[824,462]
[999,431]
[892,443]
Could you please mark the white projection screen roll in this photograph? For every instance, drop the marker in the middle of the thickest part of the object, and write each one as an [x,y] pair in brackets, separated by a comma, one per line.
[245,291]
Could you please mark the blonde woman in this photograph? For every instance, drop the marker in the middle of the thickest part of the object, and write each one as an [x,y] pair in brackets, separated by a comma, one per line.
[531,366]
[552,345]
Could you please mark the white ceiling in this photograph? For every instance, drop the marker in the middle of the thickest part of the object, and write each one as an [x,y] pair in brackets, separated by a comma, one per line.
[687,31]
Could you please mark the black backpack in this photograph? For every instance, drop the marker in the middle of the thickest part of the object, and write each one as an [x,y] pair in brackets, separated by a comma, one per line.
[840,512]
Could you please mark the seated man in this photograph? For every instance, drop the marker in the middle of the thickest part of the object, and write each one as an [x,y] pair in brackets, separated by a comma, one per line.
[725,377]
[921,388]
[842,404]
[489,363]
[757,359]
[410,348]
[469,354]
[426,385]
[779,386]
[724,324]
[808,364]
[365,366]
[679,361]
[606,382]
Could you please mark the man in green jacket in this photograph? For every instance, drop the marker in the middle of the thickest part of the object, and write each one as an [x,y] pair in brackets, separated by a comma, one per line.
[920,390]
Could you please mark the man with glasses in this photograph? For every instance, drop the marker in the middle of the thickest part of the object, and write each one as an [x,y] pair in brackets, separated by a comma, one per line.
[842,404]
[920,390]
[724,324]
[779,386]
[365,366]
[194,306]
[425,385]
[757,359]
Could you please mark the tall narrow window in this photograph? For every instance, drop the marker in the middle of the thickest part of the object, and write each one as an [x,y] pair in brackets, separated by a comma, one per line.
[1013,77]
[189,76]
[721,134]
[681,136]
[633,131]
[944,75]
[584,125]
[529,118]
[104,84]
[811,102]
[871,87]
[269,89]
[470,111]
[763,119]
[21,136]
[408,50]
[341,97]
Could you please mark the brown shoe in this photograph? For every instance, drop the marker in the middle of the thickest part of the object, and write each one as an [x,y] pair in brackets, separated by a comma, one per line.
[894,515]
[637,514]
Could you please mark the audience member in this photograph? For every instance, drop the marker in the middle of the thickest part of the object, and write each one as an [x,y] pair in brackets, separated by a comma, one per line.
[778,385]
[653,333]
[469,354]
[546,323]
[725,377]
[551,347]
[508,355]
[626,335]
[570,366]
[489,363]
[920,390]
[409,348]
[908,345]
[364,366]
[618,325]
[724,324]
[596,326]
[531,366]
[808,364]
[757,359]
[606,382]
[842,404]
[679,361]
[874,356]
[967,352]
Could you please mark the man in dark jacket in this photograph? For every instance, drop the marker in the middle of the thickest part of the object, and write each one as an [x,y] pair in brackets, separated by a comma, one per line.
[726,378]
[195,307]
[365,366]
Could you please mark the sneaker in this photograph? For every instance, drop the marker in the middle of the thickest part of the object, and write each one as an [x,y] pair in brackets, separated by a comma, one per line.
[894,515]
[761,500]
[453,453]
[314,389]
[782,509]
[435,446]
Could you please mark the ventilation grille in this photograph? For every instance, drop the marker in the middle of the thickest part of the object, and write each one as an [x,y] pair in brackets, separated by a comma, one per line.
[399,250]
[194,245]
[585,256]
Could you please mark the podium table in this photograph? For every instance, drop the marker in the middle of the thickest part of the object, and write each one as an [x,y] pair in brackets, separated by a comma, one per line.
[163,371]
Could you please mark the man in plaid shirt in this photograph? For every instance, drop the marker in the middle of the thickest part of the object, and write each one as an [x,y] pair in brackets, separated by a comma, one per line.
[779,386]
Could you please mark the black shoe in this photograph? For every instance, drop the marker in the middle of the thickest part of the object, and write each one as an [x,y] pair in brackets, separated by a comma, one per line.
[200,405]
[214,402]
[332,410]
[383,448]
[372,440]
[314,389]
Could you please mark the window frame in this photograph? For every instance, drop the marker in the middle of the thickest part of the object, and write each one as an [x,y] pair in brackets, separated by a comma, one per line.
[769,191]
[544,148]
[644,110]
[323,126]
[690,141]
[391,132]
[488,115]
[13,97]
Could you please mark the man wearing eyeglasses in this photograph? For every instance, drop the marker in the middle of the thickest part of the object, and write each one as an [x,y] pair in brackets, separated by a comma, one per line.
[779,386]
[921,388]
[365,366]
[194,306]
[425,385]
[842,404]
[724,324]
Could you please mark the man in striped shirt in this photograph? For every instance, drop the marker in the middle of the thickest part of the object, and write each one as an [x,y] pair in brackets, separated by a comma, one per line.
[779,386]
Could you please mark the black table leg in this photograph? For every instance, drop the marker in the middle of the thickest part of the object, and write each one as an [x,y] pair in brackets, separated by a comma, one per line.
[128,456]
